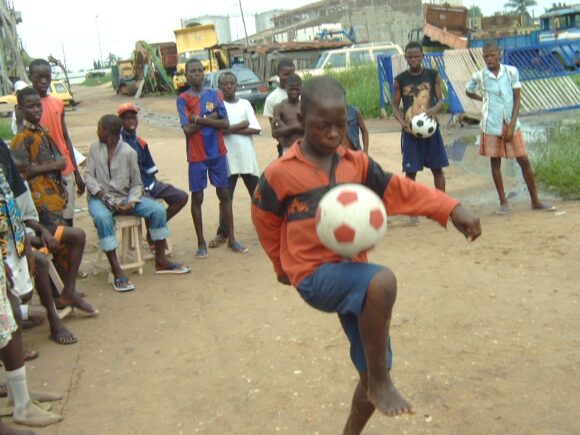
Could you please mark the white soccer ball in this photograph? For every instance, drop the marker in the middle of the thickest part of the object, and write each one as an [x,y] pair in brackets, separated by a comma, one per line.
[423,126]
[350,219]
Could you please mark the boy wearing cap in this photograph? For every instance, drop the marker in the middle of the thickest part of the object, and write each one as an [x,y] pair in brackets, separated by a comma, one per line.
[174,197]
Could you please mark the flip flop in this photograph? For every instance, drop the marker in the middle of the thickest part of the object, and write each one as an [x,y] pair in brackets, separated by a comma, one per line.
[238,248]
[503,210]
[70,339]
[30,355]
[201,253]
[217,241]
[174,269]
[123,284]
[545,207]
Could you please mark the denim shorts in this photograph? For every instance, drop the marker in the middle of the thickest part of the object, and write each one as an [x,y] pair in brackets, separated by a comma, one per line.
[342,288]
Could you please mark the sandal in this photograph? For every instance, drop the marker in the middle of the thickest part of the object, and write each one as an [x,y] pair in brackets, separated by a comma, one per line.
[173,268]
[238,248]
[123,284]
[201,253]
[218,241]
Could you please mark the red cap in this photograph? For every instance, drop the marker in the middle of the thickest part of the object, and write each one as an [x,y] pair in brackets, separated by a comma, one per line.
[127,107]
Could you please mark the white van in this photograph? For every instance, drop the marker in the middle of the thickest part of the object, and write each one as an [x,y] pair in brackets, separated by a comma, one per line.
[355,55]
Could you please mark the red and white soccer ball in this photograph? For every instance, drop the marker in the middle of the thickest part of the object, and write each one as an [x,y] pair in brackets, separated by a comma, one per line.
[350,219]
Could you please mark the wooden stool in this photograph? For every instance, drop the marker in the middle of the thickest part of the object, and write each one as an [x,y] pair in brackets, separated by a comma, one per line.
[55,278]
[129,232]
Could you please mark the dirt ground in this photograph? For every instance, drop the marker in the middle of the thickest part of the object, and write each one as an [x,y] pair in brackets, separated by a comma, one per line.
[485,335]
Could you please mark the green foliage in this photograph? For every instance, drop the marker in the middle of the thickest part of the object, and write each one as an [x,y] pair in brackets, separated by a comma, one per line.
[362,88]
[6,128]
[98,80]
[557,161]
[520,7]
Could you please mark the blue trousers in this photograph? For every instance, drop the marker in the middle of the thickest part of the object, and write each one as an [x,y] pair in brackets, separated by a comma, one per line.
[105,225]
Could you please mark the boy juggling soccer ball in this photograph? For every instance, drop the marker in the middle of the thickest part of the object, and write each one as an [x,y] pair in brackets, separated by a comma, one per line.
[362,294]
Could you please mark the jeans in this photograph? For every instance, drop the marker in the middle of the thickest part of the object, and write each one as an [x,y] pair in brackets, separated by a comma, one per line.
[103,219]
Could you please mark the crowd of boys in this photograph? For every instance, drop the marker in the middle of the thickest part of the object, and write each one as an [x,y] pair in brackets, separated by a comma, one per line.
[314,128]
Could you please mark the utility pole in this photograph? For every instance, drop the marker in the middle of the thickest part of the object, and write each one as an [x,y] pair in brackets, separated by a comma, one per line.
[244,23]
[99,41]
[11,64]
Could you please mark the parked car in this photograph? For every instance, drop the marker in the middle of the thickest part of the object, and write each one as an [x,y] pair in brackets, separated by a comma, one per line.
[58,89]
[348,57]
[250,87]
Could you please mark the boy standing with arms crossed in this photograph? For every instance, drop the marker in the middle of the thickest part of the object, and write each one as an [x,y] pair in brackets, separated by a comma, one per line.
[361,294]
[501,136]
[285,126]
[53,121]
[203,116]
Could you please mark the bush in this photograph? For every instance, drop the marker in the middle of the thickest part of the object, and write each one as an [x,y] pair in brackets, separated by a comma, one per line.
[557,161]
[96,80]
[6,128]
[362,88]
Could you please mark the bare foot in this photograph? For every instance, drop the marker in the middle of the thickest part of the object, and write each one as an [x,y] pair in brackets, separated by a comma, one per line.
[32,415]
[77,302]
[387,399]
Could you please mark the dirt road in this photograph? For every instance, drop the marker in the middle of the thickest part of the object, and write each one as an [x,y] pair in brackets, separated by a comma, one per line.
[486,335]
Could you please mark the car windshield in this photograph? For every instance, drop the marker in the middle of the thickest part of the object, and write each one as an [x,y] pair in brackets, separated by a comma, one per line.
[245,76]
[320,61]
[199,55]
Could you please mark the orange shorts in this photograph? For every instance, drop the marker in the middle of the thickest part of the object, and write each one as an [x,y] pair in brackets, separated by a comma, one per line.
[496,146]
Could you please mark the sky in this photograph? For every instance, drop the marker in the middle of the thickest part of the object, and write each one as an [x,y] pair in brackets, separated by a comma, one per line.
[80,32]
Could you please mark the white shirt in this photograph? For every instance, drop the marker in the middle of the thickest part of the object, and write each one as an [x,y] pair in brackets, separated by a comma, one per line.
[275,97]
[241,154]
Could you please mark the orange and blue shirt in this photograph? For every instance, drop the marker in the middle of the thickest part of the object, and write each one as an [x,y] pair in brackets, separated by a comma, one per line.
[285,202]
[147,165]
[208,142]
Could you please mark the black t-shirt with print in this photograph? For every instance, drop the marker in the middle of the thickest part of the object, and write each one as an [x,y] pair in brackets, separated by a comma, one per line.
[411,85]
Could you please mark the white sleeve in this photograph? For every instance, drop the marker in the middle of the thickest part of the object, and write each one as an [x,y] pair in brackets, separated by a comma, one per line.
[251,117]
[269,106]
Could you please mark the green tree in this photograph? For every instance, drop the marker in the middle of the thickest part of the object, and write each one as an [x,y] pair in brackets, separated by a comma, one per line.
[111,59]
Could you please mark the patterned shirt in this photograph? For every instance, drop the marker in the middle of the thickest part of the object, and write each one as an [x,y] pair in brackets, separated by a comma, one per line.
[285,202]
[11,223]
[208,142]
[498,97]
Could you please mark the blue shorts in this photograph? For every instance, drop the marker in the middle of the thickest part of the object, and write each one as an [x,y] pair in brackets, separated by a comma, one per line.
[218,174]
[342,288]
[419,153]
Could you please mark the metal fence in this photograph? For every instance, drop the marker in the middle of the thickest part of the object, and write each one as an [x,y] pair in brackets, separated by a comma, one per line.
[545,71]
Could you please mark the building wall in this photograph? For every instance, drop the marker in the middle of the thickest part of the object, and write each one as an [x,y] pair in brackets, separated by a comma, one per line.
[377,21]
[264,19]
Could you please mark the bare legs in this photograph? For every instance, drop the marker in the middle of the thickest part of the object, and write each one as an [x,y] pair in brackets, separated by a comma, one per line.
[528,175]
[225,211]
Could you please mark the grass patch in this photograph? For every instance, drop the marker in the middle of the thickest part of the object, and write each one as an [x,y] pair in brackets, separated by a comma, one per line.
[362,88]
[96,81]
[6,128]
[557,161]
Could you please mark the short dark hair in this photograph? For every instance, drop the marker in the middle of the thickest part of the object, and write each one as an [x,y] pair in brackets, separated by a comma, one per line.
[37,63]
[111,123]
[284,63]
[322,86]
[491,45]
[224,75]
[293,79]
[414,44]
[25,92]
[190,61]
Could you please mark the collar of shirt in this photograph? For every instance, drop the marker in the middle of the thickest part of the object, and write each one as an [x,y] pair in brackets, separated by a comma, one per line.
[500,73]
[32,126]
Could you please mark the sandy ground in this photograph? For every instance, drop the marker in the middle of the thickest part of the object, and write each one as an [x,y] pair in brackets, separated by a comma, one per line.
[486,335]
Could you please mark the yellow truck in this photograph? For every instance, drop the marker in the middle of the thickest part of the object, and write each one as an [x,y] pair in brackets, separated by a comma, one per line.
[192,42]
